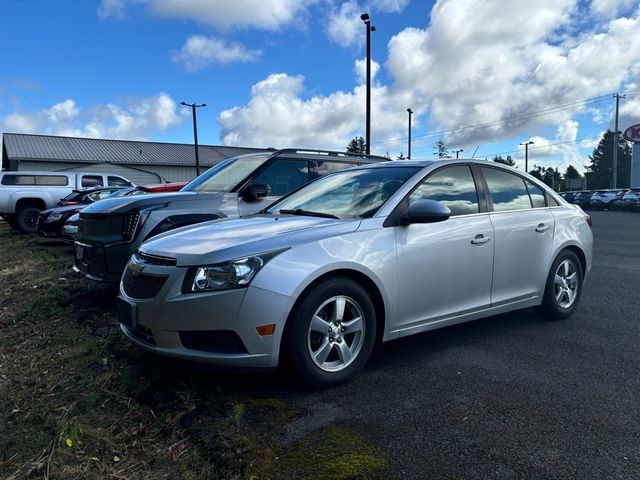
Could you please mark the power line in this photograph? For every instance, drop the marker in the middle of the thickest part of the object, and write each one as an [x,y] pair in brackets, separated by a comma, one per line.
[550,109]
[543,146]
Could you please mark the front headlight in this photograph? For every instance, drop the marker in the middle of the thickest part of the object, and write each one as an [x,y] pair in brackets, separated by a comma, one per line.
[228,275]
[54,217]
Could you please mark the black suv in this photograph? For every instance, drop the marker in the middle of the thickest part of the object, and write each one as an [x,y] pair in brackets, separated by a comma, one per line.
[111,230]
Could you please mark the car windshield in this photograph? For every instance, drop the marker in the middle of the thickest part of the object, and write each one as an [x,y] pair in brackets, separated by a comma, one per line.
[226,175]
[348,194]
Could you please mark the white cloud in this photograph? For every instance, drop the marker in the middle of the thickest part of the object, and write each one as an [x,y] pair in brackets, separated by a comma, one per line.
[221,14]
[611,8]
[200,51]
[278,116]
[112,9]
[360,70]
[137,118]
[388,5]
[474,63]
[345,26]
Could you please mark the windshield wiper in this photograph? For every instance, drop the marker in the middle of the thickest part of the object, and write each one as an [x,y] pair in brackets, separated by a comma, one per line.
[308,213]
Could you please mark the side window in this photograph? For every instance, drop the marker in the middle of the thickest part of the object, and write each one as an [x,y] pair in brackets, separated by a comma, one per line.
[552,201]
[18,180]
[91,181]
[284,176]
[117,182]
[508,191]
[52,180]
[325,167]
[536,194]
[453,186]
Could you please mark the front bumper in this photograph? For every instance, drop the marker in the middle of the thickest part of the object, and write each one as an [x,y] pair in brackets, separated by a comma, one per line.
[102,263]
[217,328]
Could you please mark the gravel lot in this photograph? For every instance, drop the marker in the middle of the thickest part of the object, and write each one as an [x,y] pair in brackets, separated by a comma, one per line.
[511,396]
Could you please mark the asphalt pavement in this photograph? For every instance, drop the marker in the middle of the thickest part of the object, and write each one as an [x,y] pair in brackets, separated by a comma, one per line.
[510,396]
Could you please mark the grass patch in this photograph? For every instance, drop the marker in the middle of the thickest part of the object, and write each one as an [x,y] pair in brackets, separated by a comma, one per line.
[80,402]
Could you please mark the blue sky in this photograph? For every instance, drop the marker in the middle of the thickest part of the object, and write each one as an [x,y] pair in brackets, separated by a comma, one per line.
[283,73]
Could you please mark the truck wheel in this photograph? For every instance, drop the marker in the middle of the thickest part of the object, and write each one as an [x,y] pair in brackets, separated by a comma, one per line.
[27,219]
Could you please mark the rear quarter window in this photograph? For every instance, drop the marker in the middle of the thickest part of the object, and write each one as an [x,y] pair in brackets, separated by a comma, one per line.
[43,180]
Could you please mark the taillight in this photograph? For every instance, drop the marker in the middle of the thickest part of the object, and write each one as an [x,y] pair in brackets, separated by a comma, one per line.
[587,217]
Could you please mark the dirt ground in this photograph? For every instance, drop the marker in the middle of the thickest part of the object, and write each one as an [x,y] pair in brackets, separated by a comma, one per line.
[78,401]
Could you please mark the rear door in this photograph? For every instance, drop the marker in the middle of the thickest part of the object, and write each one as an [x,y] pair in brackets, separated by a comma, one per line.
[523,228]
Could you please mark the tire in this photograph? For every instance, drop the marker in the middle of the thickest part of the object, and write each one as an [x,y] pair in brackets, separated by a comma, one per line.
[561,299]
[27,219]
[322,358]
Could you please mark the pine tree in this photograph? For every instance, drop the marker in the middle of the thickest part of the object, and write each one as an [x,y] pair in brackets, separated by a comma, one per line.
[357,145]
[401,156]
[441,149]
[599,170]
[506,161]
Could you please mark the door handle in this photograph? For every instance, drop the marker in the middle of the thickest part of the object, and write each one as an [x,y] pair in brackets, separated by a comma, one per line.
[541,228]
[480,239]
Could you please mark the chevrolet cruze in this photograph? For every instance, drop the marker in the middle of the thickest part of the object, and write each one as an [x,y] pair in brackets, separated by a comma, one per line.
[367,254]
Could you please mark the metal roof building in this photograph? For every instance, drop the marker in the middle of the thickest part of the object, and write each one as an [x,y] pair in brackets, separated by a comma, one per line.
[140,162]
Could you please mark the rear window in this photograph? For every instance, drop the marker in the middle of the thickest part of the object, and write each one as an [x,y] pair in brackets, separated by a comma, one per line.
[44,180]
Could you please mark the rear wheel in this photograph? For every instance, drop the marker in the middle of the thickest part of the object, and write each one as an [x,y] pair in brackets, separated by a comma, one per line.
[331,334]
[564,286]
[27,219]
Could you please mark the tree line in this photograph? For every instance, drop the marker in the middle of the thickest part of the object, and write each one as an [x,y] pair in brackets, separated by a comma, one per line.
[598,170]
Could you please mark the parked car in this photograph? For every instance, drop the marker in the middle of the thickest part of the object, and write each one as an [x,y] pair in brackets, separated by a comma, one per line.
[601,199]
[568,196]
[583,199]
[631,199]
[109,232]
[616,203]
[86,196]
[371,253]
[23,195]
[70,226]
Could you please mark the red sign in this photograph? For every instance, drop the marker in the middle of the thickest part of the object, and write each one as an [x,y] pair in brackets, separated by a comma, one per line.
[632,133]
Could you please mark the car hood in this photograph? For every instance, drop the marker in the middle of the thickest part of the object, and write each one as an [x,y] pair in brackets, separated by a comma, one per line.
[226,239]
[126,204]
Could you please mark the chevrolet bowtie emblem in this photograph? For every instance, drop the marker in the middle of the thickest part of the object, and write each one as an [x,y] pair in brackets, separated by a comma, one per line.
[136,268]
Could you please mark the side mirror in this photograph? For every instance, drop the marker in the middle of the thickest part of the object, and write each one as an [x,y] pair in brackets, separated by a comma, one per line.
[255,191]
[426,211]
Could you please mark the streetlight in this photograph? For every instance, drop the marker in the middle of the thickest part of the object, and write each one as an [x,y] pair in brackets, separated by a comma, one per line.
[458,152]
[410,113]
[370,28]
[195,131]
[526,155]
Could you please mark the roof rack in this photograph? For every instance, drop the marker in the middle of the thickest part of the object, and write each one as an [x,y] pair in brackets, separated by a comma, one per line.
[311,151]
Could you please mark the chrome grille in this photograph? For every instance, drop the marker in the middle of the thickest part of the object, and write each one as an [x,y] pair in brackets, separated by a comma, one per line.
[153,260]
[141,286]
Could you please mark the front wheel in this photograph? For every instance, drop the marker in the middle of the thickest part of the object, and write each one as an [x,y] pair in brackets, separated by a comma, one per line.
[563,287]
[332,332]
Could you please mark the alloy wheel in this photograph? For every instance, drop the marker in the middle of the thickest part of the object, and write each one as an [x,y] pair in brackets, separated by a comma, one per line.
[566,283]
[336,333]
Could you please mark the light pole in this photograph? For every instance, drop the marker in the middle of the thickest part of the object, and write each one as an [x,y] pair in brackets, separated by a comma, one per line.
[410,113]
[195,130]
[614,170]
[526,155]
[370,28]
[458,152]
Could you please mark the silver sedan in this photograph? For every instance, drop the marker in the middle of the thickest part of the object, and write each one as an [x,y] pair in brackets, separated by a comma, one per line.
[364,255]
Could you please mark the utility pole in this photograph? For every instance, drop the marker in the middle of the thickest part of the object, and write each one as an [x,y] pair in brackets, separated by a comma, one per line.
[410,113]
[195,131]
[614,170]
[526,155]
[370,28]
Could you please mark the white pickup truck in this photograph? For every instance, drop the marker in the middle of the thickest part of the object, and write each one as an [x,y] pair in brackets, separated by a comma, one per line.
[23,195]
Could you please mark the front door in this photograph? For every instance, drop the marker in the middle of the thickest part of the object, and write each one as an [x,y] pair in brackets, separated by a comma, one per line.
[445,268]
